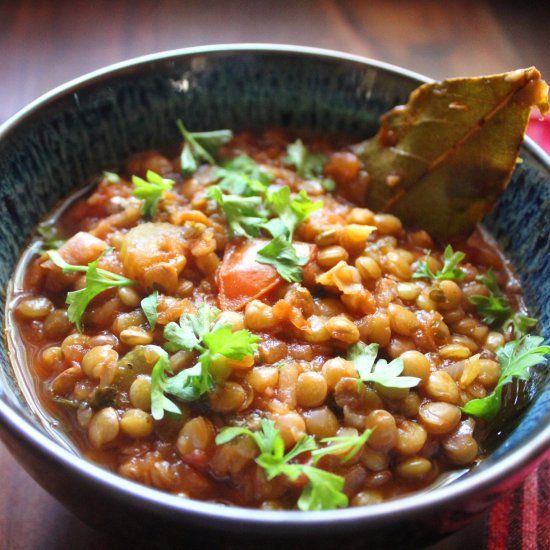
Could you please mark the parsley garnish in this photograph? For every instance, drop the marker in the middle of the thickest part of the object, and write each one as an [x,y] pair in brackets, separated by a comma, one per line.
[515,358]
[353,444]
[281,254]
[200,146]
[290,212]
[97,281]
[195,333]
[324,490]
[150,191]
[448,271]
[241,213]
[308,165]
[149,306]
[496,310]
[251,206]
[159,380]
[379,372]
[242,176]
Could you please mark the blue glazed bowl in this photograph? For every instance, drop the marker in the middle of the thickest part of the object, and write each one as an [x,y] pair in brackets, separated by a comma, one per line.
[93,123]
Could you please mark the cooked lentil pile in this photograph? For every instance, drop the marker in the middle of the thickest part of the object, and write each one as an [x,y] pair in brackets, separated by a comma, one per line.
[221,325]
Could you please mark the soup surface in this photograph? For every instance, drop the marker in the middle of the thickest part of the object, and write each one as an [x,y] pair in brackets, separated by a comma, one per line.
[221,324]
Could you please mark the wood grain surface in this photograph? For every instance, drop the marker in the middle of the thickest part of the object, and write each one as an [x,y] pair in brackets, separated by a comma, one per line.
[45,43]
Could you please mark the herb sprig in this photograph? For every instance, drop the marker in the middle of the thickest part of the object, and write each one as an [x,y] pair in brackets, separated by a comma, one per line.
[214,343]
[200,146]
[352,444]
[516,358]
[97,281]
[379,372]
[308,165]
[149,305]
[252,206]
[449,271]
[324,490]
[496,310]
[150,191]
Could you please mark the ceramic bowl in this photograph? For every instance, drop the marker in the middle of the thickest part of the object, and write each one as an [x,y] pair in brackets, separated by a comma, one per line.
[93,123]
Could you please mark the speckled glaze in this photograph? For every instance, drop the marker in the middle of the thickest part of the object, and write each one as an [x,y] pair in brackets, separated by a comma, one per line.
[94,123]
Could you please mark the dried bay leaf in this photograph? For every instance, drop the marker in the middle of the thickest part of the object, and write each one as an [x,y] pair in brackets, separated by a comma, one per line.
[441,161]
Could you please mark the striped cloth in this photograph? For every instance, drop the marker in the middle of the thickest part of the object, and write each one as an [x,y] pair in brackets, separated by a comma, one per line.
[521,520]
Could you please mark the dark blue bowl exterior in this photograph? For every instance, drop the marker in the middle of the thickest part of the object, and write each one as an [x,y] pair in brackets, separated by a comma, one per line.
[59,145]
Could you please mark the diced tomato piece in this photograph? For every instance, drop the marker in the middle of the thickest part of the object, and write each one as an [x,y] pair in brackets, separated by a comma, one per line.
[242,279]
[82,248]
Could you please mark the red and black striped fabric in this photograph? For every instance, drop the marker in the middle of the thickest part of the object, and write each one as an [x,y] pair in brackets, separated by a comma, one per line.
[521,520]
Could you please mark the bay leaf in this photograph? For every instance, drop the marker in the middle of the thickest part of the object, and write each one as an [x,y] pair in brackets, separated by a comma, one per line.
[441,161]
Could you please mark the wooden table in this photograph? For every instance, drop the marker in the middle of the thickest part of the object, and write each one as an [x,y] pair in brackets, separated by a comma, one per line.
[46,43]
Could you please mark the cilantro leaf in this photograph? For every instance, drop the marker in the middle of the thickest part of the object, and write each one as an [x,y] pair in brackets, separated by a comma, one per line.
[150,191]
[308,165]
[280,253]
[159,402]
[515,358]
[241,213]
[496,310]
[353,444]
[325,491]
[380,372]
[149,306]
[520,323]
[97,281]
[267,438]
[200,146]
[244,177]
[291,212]
[233,345]
[195,332]
[191,384]
[188,334]
[449,271]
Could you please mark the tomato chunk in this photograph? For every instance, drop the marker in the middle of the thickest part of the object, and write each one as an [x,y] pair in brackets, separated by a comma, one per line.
[242,279]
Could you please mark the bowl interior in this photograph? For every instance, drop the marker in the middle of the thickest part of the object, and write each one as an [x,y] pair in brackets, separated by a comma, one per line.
[53,148]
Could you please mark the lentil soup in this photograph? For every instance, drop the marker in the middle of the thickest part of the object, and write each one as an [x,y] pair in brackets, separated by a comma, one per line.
[238,332]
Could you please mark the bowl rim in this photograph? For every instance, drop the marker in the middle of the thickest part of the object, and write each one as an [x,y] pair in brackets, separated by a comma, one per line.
[235,518]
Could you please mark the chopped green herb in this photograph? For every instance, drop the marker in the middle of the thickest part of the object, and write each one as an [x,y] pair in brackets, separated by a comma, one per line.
[150,191]
[280,253]
[352,443]
[379,372]
[449,271]
[196,333]
[515,358]
[496,310]
[200,146]
[191,384]
[291,212]
[308,165]
[244,177]
[521,324]
[149,306]
[241,213]
[159,380]
[324,490]
[97,281]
